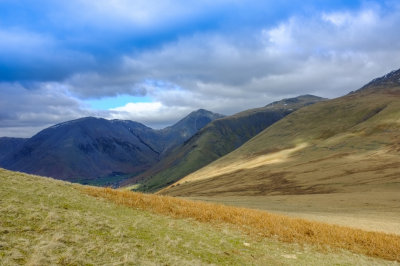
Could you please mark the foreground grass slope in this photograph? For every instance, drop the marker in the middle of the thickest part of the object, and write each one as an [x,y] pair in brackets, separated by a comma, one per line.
[45,222]
[262,224]
[349,144]
[215,140]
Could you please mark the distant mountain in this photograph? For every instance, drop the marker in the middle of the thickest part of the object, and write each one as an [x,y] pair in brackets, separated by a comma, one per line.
[10,145]
[172,136]
[349,144]
[100,151]
[215,140]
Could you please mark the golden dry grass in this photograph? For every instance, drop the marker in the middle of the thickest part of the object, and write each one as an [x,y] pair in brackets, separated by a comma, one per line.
[260,223]
[370,211]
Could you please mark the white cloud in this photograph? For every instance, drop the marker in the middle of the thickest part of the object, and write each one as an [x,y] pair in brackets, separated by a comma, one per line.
[278,39]
[154,114]
[338,19]
[328,54]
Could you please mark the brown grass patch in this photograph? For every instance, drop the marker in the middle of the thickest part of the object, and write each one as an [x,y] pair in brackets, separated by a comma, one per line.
[254,222]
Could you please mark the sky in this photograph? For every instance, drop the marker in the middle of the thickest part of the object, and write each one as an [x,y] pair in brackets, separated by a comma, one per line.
[156,61]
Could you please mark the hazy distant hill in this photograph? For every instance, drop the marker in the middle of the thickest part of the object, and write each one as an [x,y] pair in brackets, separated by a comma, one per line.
[217,139]
[101,151]
[347,144]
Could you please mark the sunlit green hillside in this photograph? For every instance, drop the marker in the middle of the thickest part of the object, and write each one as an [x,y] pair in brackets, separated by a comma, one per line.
[347,144]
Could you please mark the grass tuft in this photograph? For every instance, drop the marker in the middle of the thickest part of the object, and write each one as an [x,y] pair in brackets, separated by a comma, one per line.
[376,244]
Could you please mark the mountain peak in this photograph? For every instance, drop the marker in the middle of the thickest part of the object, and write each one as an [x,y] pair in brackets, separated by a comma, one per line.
[387,81]
[78,121]
[295,102]
[194,121]
[204,112]
[393,76]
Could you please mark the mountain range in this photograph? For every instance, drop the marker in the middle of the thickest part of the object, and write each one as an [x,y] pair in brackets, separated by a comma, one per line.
[119,152]
[302,145]
[216,139]
[96,150]
[344,145]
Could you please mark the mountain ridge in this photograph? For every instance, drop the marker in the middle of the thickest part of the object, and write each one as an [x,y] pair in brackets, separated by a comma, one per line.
[86,149]
[345,144]
[216,139]
[389,82]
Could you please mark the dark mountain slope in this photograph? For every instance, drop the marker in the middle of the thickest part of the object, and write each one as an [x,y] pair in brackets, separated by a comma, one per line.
[10,145]
[87,149]
[217,139]
[345,145]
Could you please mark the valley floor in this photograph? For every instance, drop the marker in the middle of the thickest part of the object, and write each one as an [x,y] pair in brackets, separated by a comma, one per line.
[371,211]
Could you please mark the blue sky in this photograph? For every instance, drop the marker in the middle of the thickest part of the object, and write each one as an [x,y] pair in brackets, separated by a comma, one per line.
[107,103]
[156,61]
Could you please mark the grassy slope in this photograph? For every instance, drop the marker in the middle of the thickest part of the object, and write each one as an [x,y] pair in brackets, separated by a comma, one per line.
[44,221]
[371,211]
[343,145]
[216,140]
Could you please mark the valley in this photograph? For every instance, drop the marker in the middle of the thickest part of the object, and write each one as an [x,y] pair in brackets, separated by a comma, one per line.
[344,145]
[322,174]
[215,140]
[196,133]
[336,161]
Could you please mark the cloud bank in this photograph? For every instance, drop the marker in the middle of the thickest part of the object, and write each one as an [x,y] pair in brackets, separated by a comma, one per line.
[220,55]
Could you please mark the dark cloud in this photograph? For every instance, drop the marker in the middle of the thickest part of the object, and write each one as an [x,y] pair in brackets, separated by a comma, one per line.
[50,40]
[24,111]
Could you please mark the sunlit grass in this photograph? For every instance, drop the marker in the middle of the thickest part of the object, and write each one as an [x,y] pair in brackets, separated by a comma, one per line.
[386,246]
[49,222]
